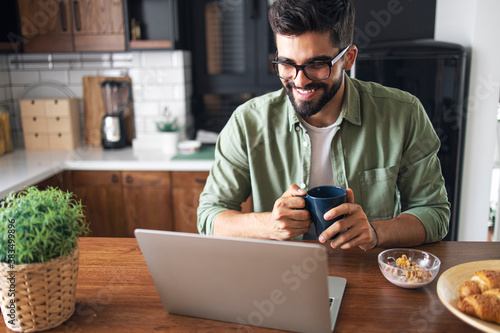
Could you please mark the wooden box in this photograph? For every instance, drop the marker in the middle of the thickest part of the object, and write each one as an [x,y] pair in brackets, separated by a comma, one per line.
[50,124]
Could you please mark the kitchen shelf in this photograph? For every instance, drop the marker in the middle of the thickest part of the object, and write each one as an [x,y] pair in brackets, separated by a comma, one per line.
[6,46]
[150,44]
[157,21]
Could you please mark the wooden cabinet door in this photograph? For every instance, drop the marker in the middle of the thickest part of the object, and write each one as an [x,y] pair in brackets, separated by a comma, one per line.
[46,25]
[148,200]
[101,194]
[61,180]
[98,25]
[187,187]
[186,190]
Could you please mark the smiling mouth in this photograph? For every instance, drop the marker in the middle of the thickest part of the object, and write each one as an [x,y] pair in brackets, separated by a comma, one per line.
[305,92]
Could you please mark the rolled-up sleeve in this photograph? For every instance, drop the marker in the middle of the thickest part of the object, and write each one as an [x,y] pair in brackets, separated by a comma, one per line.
[421,184]
[228,184]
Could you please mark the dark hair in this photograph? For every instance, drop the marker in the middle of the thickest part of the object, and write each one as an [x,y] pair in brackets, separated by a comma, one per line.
[295,17]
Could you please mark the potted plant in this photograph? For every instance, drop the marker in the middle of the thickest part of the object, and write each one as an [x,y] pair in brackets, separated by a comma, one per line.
[39,257]
[169,129]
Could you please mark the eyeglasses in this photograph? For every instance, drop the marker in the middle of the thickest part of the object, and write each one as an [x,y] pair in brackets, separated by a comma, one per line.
[315,71]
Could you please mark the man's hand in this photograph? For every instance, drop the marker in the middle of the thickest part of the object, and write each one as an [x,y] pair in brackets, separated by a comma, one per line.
[358,231]
[288,218]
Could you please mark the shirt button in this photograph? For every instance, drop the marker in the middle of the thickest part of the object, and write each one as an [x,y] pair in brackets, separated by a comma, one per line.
[302,186]
[305,143]
[297,128]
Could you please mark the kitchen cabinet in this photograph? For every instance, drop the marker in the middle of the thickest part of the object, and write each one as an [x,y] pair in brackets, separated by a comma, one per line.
[101,194]
[72,26]
[186,189]
[117,202]
[98,25]
[46,25]
[60,180]
[156,24]
[147,198]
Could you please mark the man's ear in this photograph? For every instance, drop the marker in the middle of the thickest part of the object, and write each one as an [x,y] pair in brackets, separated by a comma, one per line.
[350,57]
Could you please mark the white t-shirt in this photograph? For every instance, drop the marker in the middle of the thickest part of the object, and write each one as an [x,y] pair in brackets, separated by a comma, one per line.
[321,172]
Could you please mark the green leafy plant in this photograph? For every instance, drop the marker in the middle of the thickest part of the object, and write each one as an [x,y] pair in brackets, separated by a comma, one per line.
[167,123]
[164,126]
[44,224]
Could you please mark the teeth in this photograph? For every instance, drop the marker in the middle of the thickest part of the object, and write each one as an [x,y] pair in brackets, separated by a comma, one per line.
[304,92]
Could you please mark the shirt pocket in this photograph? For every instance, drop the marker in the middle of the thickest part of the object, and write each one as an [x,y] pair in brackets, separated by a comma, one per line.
[378,192]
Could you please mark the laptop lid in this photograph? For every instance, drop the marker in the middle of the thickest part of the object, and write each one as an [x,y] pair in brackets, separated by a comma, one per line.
[281,285]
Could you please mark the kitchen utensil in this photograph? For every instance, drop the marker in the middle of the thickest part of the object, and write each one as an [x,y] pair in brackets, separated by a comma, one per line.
[410,278]
[94,109]
[320,200]
[189,147]
[116,96]
[5,133]
[448,291]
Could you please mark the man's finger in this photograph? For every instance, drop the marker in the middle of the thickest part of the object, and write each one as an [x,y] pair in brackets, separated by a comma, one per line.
[350,196]
[293,191]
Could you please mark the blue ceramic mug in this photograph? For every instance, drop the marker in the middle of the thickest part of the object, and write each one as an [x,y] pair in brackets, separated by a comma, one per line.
[321,199]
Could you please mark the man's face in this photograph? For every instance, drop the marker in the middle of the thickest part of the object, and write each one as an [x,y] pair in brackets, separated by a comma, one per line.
[308,97]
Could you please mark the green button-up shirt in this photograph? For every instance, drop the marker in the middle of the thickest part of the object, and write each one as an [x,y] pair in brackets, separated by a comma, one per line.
[385,151]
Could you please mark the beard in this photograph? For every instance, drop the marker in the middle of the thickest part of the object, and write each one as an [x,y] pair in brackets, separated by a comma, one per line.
[310,108]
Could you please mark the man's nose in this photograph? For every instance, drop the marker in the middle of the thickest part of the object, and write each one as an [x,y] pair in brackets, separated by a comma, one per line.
[301,79]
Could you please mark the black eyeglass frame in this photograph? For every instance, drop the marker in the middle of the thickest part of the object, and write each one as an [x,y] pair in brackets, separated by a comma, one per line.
[298,68]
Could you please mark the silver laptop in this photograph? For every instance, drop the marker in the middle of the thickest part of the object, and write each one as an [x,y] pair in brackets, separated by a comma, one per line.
[280,285]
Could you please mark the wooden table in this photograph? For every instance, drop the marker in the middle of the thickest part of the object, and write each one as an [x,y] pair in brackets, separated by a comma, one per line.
[116,293]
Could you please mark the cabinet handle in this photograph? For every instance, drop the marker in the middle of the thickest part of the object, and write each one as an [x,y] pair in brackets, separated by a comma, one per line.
[59,134]
[129,179]
[114,178]
[200,181]
[34,118]
[57,118]
[61,16]
[75,16]
[32,101]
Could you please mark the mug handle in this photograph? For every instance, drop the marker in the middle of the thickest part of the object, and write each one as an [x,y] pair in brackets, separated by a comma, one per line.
[305,199]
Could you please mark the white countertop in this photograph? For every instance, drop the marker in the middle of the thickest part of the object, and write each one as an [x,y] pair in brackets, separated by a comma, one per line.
[22,168]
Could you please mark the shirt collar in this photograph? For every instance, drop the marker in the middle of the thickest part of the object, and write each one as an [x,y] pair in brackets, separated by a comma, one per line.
[351,107]
[293,120]
[350,110]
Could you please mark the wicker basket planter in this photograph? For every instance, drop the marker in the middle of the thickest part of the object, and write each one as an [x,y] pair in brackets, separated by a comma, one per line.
[43,294]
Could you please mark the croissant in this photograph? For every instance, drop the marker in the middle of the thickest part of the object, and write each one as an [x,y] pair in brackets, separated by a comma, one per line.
[480,282]
[485,306]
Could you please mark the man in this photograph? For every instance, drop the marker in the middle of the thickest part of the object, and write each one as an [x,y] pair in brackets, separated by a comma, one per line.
[325,128]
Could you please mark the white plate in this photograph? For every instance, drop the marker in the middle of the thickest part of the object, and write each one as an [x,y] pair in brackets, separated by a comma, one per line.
[449,283]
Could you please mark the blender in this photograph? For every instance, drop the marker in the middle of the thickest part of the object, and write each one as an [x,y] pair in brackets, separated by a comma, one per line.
[116,97]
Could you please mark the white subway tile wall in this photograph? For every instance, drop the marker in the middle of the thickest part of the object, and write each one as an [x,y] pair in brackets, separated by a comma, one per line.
[160,79]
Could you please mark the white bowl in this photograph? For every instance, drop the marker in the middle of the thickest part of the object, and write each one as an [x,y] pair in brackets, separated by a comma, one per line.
[188,147]
[409,278]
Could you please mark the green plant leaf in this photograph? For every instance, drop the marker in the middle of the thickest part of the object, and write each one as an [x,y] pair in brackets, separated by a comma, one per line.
[46,224]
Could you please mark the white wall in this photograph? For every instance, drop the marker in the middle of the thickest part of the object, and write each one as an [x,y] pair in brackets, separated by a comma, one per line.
[475,25]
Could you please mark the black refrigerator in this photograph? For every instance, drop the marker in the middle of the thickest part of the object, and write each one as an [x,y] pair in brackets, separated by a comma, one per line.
[436,73]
